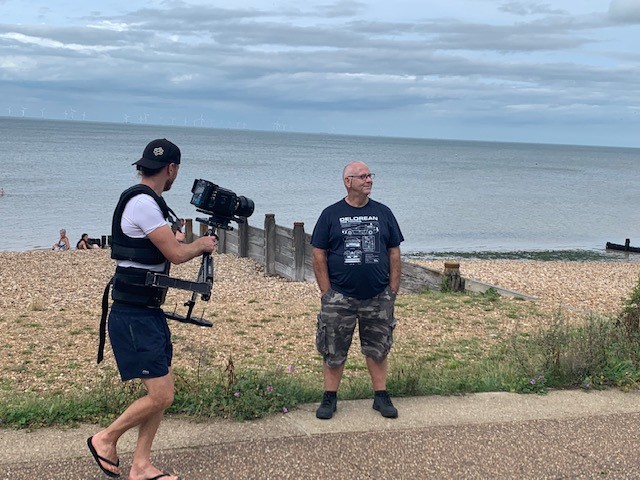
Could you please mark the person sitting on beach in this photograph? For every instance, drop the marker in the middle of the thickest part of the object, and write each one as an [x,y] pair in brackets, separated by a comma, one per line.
[63,243]
[85,244]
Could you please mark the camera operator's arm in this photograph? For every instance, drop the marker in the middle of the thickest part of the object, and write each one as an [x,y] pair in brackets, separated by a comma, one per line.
[176,252]
[321,269]
[176,228]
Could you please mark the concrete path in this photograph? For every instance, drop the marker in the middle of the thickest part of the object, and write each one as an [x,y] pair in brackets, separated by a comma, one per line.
[562,435]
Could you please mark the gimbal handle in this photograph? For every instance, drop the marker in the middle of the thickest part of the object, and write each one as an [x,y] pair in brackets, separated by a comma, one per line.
[206,268]
[202,286]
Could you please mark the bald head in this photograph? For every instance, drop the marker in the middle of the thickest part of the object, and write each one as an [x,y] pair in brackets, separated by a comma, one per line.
[354,168]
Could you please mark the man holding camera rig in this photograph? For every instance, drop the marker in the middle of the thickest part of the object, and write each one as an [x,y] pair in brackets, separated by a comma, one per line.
[143,240]
[356,260]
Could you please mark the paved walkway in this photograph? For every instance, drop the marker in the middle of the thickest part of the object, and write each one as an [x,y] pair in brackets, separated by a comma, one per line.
[562,435]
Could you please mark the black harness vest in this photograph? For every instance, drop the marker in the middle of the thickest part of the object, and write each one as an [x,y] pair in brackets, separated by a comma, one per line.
[129,283]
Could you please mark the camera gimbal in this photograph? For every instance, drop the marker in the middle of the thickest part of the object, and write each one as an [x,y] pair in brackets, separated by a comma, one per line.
[222,206]
[201,286]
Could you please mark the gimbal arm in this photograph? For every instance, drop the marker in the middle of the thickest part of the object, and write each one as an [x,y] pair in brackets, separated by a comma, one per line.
[202,284]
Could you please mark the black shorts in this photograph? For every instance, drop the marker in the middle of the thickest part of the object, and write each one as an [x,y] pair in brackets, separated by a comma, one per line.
[141,341]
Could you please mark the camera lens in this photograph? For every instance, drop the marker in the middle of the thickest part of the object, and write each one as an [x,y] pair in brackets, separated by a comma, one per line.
[244,207]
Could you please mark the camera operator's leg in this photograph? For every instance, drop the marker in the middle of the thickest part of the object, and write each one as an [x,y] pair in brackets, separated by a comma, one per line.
[141,342]
[158,399]
[146,412]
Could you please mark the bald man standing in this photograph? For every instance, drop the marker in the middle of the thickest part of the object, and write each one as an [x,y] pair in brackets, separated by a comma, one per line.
[356,260]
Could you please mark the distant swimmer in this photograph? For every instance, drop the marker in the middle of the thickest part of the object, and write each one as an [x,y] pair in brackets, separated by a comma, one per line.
[1,192]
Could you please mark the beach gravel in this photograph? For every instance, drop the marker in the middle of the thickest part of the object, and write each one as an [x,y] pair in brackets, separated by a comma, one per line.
[50,306]
[598,287]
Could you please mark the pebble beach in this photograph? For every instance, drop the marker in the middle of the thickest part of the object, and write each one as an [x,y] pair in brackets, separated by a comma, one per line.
[598,287]
[50,306]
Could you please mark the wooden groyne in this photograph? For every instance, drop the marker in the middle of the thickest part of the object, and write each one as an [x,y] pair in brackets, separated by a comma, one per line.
[287,252]
[622,248]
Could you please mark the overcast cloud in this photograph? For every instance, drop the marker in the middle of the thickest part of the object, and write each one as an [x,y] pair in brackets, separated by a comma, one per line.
[565,71]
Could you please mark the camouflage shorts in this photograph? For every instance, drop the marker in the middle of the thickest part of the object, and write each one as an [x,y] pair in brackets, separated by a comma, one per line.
[337,323]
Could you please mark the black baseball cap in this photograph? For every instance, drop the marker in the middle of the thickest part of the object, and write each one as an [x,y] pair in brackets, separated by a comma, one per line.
[159,153]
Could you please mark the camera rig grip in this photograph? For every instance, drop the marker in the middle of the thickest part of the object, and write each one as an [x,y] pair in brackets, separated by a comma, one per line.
[197,287]
[202,285]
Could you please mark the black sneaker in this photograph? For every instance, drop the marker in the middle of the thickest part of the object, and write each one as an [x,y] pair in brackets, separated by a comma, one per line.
[328,405]
[382,403]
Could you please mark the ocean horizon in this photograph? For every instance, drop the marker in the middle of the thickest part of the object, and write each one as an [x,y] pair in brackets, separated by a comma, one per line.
[448,195]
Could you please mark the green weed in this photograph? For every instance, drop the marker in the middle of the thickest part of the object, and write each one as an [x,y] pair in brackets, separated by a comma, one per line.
[598,352]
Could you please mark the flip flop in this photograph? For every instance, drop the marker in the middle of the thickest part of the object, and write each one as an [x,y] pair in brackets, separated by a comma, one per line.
[100,459]
[162,475]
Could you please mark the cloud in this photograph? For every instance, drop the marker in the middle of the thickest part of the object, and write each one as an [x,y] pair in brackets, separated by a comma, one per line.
[344,8]
[530,8]
[625,11]
[311,62]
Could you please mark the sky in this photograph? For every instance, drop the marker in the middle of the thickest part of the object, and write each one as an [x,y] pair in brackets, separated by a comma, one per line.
[566,71]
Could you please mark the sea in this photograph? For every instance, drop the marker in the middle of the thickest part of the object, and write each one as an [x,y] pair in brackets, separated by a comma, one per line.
[448,195]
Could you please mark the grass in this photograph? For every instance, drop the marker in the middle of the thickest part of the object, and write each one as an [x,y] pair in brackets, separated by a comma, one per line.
[594,353]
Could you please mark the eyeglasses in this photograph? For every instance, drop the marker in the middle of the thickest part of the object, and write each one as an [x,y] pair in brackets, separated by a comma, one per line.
[364,176]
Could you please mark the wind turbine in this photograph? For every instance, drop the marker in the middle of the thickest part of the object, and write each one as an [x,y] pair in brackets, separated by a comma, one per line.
[201,120]
[42,113]
[84,115]
[9,110]
[72,112]
[126,118]
[146,117]
[66,114]
[23,110]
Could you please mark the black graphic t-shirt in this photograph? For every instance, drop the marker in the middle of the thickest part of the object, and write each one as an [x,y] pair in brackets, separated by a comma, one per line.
[356,240]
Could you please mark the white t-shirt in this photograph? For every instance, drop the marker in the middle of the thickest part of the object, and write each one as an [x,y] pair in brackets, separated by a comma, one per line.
[141,216]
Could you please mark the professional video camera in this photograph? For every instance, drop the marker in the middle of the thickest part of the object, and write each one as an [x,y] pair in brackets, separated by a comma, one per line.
[222,206]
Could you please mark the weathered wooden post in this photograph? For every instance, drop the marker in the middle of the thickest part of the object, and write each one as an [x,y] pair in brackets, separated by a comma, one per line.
[298,250]
[243,238]
[105,241]
[270,243]
[222,240]
[188,230]
[454,282]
